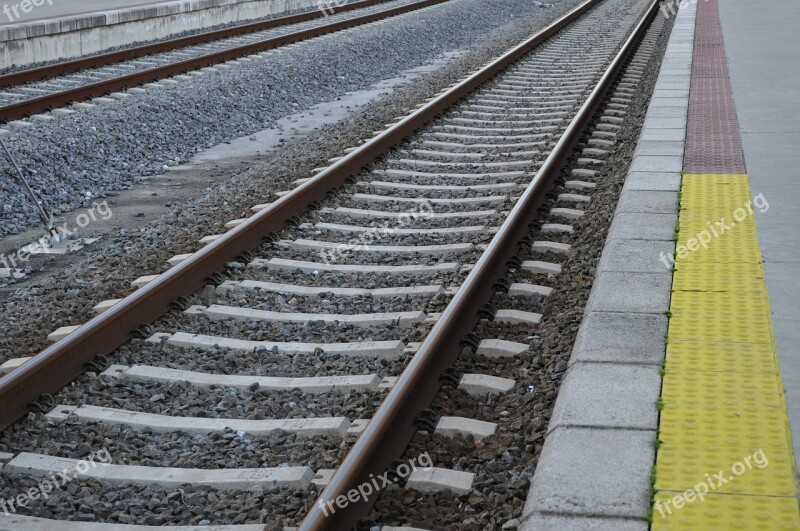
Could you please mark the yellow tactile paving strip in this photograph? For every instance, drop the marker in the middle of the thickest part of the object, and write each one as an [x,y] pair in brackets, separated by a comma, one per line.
[723,426]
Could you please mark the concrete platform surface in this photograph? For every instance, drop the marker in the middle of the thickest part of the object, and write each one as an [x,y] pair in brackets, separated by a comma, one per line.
[763,51]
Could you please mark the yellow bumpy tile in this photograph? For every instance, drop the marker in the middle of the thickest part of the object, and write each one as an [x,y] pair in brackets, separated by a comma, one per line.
[721,512]
[733,390]
[731,470]
[695,425]
[722,328]
[719,303]
[741,277]
[716,357]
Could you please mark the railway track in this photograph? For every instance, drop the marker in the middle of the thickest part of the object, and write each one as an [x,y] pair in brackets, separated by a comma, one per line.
[54,86]
[306,364]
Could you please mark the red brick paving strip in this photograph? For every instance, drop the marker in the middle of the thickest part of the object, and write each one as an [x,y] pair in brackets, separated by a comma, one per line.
[713,144]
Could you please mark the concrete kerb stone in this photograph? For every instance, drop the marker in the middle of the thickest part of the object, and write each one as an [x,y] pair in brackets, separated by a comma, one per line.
[636,256]
[591,471]
[581,523]
[631,293]
[653,180]
[643,226]
[648,202]
[616,337]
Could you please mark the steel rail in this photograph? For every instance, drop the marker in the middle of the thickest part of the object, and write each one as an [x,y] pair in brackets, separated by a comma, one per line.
[76,65]
[44,103]
[62,362]
[388,433]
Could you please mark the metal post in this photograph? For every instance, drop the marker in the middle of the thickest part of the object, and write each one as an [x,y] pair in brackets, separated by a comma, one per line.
[41,206]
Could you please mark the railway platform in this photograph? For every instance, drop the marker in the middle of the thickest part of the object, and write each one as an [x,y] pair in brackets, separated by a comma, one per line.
[690,336]
[47,30]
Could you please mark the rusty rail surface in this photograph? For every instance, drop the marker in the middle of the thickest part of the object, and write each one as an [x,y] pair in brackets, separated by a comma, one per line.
[76,65]
[44,103]
[388,433]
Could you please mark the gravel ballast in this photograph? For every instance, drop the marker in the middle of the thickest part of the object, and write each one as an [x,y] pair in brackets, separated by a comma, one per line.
[77,158]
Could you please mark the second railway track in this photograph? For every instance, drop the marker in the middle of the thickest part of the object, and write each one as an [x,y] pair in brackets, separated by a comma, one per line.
[246,397]
[38,90]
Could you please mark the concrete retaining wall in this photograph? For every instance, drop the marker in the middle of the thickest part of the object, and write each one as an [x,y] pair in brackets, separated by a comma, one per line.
[71,37]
